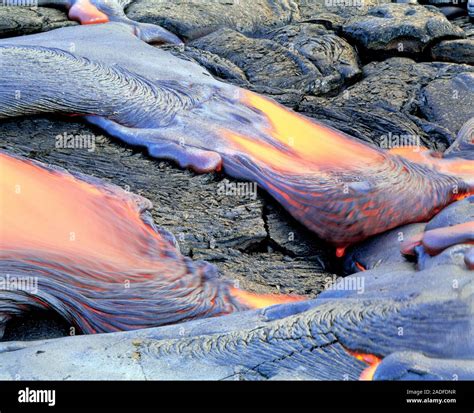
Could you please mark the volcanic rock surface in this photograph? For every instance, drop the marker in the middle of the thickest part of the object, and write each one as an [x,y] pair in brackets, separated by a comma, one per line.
[404,28]
[16,21]
[457,51]
[192,19]
[307,56]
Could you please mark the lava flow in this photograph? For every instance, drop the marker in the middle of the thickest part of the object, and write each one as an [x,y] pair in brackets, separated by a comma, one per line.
[254,300]
[436,240]
[341,188]
[97,258]
[85,12]
[297,145]
[370,359]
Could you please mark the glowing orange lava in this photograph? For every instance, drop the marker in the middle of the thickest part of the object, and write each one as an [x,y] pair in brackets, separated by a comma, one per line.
[360,266]
[254,300]
[436,240]
[370,359]
[340,252]
[49,211]
[85,12]
[457,167]
[408,246]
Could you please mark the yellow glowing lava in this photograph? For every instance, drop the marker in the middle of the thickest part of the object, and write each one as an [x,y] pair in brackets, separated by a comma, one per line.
[263,300]
[372,360]
[299,145]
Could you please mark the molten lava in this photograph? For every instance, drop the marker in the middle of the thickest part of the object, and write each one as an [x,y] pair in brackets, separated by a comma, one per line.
[463,168]
[370,359]
[341,188]
[340,252]
[263,300]
[359,266]
[299,145]
[98,259]
[50,211]
[436,240]
[85,12]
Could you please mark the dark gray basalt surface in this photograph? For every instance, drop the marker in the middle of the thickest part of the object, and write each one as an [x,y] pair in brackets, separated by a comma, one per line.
[263,271]
[299,58]
[448,100]
[334,11]
[16,21]
[36,326]
[263,61]
[400,28]
[331,54]
[392,97]
[458,51]
[192,19]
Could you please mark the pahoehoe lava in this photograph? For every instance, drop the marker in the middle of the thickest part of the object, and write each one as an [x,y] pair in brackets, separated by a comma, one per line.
[341,188]
[98,260]
[102,264]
